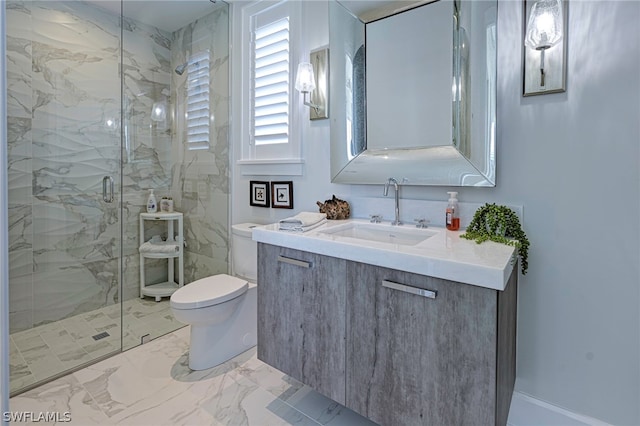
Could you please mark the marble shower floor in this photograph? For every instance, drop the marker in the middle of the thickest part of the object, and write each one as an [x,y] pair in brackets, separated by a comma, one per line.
[153,385]
[45,351]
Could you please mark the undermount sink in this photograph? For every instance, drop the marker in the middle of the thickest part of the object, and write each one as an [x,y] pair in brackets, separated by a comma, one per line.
[381,233]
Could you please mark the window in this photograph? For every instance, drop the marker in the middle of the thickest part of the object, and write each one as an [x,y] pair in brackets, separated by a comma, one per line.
[271,83]
[198,103]
[270,134]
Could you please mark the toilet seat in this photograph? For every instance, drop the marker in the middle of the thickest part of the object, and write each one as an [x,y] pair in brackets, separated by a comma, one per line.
[208,291]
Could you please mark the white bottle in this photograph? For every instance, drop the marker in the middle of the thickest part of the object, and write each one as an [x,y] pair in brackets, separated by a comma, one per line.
[152,205]
[453,217]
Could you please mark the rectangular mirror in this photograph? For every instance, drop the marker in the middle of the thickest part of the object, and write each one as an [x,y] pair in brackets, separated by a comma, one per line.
[416,101]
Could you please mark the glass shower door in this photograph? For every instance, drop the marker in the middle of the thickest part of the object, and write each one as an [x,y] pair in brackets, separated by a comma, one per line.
[64,103]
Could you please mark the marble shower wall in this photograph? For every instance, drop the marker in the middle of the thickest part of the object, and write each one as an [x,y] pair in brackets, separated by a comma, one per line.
[63,89]
[200,178]
[64,130]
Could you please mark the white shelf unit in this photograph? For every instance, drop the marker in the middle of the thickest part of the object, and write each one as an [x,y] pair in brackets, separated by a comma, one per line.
[166,250]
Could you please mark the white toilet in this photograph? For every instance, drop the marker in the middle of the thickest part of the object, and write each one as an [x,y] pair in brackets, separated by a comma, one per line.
[222,310]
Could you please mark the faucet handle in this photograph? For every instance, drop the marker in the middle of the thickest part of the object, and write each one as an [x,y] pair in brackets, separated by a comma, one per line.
[375,218]
[421,222]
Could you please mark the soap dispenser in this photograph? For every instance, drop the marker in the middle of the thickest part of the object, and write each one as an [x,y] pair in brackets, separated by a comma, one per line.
[453,217]
[152,205]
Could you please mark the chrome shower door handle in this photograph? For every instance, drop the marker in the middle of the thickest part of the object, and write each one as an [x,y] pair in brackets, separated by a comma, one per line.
[107,189]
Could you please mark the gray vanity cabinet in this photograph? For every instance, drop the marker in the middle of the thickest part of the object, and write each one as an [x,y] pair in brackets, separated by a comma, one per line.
[301,317]
[443,357]
[396,347]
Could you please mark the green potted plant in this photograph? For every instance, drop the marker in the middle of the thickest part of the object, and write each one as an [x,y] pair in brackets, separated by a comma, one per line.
[499,224]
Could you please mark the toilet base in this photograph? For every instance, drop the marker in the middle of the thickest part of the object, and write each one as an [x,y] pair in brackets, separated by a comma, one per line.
[211,345]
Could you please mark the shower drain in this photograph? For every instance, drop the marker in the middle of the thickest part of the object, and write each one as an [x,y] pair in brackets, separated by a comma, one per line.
[100,335]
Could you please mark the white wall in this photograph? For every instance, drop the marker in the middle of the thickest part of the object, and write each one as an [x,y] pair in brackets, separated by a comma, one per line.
[572,160]
[315,184]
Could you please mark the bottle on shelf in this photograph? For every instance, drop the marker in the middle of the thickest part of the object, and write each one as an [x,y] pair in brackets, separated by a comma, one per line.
[152,205]
[166,205]
[453,217]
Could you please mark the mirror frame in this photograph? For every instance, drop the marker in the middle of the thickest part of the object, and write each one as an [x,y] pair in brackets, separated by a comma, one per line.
[443,165]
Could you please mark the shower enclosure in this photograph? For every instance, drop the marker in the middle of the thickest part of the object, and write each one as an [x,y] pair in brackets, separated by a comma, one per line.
[103,104]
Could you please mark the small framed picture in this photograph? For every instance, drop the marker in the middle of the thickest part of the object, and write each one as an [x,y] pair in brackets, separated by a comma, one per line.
[282,195]
[259,193]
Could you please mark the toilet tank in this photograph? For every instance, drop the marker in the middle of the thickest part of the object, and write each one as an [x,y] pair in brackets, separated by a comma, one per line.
[244,251]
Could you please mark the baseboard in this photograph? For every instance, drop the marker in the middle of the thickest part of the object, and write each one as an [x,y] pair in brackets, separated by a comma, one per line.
[529,411]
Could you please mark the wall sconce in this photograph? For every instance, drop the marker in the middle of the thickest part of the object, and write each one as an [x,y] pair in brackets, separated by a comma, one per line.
[313,79]
[545,39]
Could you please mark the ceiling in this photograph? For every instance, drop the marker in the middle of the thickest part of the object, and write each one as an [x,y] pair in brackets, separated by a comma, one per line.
[171,15]
[369,10]
[168,15]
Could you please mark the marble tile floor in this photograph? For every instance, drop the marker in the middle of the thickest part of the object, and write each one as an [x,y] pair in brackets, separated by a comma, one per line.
[47,350]
[153,385]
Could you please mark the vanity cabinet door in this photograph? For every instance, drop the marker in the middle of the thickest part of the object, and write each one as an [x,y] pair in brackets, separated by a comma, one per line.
[301,317]
[415,360]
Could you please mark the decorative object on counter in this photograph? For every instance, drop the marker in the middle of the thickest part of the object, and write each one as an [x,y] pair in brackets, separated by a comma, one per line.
[166,205]
[453,216]
[335,208]
[258,193]
[282,195]
[499,224]
[152,205]
[302,222]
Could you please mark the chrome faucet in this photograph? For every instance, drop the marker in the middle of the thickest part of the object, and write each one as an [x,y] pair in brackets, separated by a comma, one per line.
[397,189]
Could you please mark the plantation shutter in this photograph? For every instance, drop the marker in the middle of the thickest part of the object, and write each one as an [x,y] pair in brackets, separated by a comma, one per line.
[271,83]
[198,103]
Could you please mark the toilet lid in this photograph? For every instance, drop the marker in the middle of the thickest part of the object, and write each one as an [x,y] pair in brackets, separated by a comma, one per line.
[208,291]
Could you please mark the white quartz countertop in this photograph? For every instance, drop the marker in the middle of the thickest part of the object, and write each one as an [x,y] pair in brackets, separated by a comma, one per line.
[444,255]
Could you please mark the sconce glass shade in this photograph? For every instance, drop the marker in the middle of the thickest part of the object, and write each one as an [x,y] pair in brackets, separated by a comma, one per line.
[544,28]
[159,111]
[305,79]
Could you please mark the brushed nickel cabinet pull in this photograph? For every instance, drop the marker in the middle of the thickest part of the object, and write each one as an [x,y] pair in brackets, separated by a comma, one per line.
[295,262]
[409,289]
